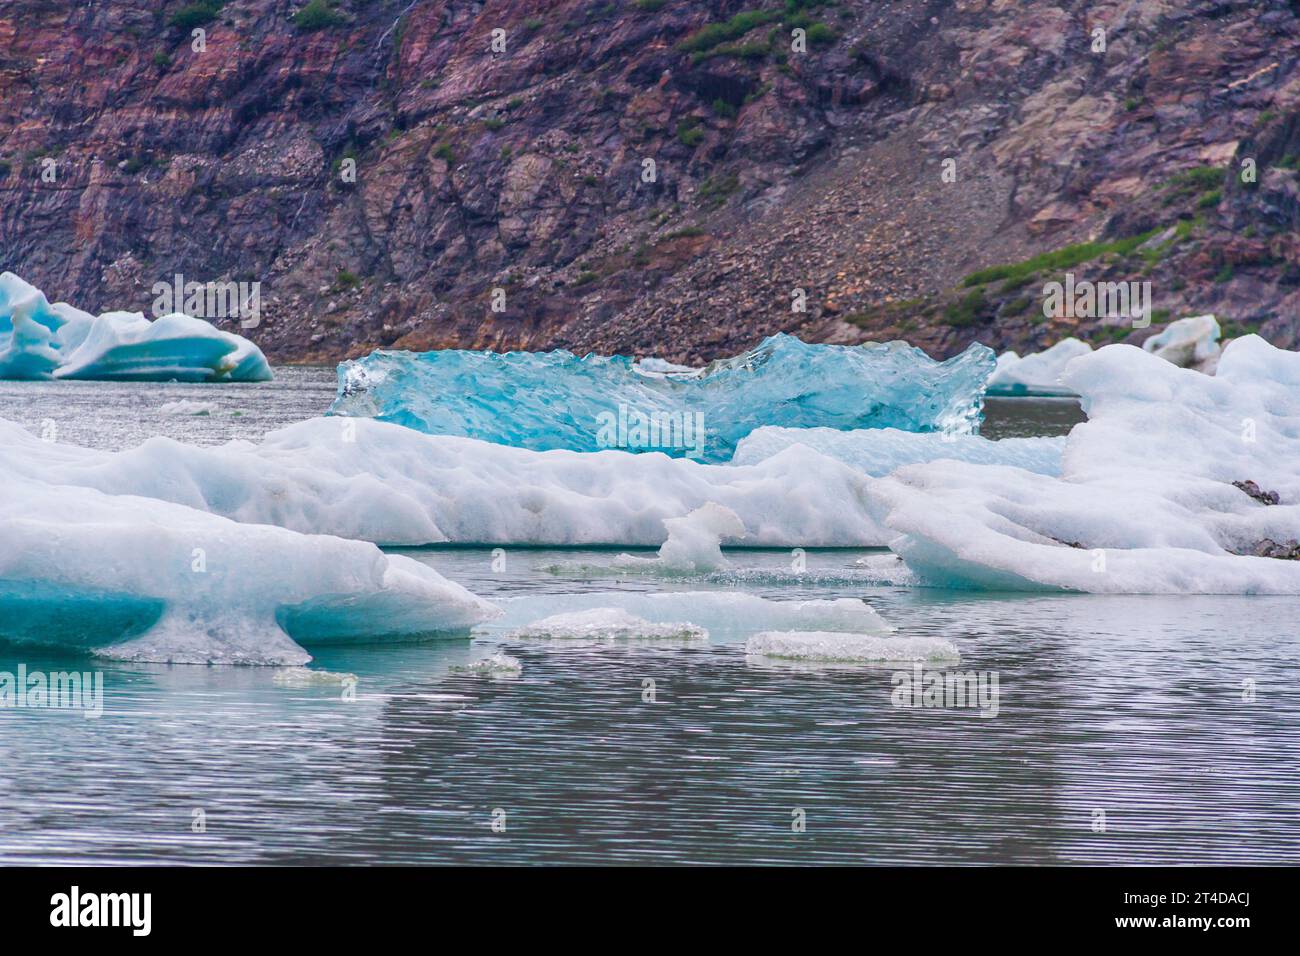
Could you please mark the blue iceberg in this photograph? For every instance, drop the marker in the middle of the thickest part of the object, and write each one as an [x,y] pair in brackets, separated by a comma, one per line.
[549,400]
[40,340]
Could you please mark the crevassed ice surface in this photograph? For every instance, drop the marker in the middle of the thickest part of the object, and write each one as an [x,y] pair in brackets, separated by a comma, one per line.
[40,340]
[557,400]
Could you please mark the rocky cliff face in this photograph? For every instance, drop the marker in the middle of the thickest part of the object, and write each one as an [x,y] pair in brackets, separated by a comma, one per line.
[656,176]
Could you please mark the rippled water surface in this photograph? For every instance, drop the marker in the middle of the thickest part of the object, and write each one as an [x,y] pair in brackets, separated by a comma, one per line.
[1128,729]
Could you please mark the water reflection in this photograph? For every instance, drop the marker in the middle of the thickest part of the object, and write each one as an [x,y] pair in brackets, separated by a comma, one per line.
[1138,707]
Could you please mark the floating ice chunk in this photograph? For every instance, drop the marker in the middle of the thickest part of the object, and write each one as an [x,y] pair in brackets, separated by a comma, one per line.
[494,665]
[878,451]
[180,586]
[1187,343]
[728,614]
[40,341]
[557,400]
[1167,488]
[607,624]
[1239,424]
[362,479]
[694,544]
[1038,373]
[839,647]
[299,677]
[184,407]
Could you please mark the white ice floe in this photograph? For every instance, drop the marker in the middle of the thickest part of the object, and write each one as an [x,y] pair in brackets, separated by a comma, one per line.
[40,340]
[605,625]
[1038,373]
[878,451]
[1167,488]
[184,407]
[378,482]
[494,665]
[839,647]
[729,614]
[301,677]
[1187,343]
[693,545]
[145,580]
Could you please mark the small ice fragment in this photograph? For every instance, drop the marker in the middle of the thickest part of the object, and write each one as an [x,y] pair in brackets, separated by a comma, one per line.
[1188,343]
[607,624]
[495,665]
[184,407]
[694,544]
[298,677]
[837,647]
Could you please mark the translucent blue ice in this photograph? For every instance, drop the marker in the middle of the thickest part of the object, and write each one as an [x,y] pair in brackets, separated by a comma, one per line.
[546,400]
[40,340]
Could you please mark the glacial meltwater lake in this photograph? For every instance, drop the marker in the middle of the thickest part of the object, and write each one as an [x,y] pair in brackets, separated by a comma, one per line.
[1129,729]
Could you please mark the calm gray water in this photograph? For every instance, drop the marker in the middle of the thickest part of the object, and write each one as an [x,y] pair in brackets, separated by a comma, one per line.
[1172,717]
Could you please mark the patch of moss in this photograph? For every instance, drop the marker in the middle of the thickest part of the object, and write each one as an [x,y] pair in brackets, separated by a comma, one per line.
[317,15]
[966,311]
[713,34]
[1058,259]
[715,190]
[195,14]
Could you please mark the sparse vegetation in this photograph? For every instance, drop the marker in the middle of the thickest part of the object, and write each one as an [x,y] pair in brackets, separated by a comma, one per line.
[819,34]
[1058,259]
[713,34]
[689,132]
[195,14]
[317,15]
[1192,182]
[714,191]
[967,310]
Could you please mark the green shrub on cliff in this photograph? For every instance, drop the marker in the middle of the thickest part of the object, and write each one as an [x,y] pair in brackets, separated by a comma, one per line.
[195,14]
[317,15]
